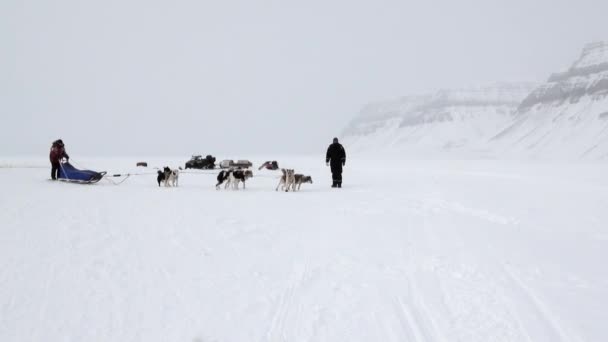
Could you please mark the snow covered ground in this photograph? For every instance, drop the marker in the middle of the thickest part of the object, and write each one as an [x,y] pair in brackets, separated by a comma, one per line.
[408,251]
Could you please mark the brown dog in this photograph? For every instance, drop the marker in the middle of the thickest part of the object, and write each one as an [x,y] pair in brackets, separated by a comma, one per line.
[300,179]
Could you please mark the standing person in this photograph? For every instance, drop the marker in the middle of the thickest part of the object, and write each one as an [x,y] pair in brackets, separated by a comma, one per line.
[56,155]
[336,157]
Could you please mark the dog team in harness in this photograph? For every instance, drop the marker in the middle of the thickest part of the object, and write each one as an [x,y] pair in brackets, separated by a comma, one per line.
[335,158]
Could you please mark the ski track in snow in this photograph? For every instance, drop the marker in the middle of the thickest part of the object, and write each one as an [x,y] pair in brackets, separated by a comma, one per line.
[548,322]
[277,330]
[477,251]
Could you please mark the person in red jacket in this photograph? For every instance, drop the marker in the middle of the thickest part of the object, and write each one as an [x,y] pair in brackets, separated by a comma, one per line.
[56,156]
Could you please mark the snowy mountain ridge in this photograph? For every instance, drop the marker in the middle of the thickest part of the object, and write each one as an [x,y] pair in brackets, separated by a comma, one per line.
[588,76]
[567,116]
[444,120]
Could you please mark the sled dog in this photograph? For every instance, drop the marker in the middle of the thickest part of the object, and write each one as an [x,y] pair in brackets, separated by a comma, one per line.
[171,177]
[287,180]
[239,176]
[301,179]
[233,177]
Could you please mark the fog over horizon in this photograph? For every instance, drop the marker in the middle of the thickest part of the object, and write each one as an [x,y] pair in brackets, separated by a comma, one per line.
[256,77]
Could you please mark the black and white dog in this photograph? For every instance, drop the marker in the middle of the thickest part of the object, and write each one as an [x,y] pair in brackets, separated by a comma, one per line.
[161,177]
[240,176]
[233,177]
[223,176]
[168,177]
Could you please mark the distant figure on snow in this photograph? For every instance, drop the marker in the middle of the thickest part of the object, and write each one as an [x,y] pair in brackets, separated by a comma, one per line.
[56,155]
[336,157]
[270,165]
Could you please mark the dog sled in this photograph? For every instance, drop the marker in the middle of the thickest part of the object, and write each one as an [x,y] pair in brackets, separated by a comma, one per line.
[239,164]
[68,173]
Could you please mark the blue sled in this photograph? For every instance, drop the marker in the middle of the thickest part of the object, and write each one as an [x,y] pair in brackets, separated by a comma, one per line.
[69,173]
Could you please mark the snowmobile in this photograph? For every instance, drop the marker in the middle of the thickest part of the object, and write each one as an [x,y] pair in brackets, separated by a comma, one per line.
[198,162]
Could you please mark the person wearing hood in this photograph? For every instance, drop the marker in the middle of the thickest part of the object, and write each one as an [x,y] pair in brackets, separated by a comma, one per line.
[56,155]
[336,158]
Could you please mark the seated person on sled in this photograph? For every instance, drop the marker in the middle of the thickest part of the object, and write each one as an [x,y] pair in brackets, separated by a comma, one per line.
[270,165]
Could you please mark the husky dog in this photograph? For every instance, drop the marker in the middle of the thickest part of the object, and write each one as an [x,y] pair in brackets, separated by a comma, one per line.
[239,176]
[281,181]
[287,180]
[233,177]
[223,176]
[174,178]
[300,179]
[161,177]
[171,177]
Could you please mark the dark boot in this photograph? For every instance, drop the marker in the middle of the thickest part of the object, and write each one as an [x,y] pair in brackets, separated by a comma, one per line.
[54,171]
[340,185]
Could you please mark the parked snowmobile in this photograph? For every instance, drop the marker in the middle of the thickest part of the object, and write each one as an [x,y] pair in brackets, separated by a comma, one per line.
[198,162]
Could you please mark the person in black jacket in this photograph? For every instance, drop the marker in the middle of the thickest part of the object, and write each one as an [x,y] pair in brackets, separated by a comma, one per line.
[336,157]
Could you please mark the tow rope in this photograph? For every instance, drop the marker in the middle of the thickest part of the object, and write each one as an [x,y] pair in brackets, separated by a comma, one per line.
[126,176]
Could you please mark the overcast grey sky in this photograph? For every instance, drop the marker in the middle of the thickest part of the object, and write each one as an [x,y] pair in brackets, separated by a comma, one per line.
[238,77]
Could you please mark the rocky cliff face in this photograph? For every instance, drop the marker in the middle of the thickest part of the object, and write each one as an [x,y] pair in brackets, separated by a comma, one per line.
[588,76]
[565,117]
[446,120]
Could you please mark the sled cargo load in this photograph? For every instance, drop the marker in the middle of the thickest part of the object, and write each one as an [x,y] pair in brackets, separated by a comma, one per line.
[241,164]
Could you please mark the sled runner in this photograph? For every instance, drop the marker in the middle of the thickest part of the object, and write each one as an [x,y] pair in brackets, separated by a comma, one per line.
[69,173]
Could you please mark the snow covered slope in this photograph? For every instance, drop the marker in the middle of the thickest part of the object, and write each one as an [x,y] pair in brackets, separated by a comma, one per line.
[452,251]
[443,122]
[567,116]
